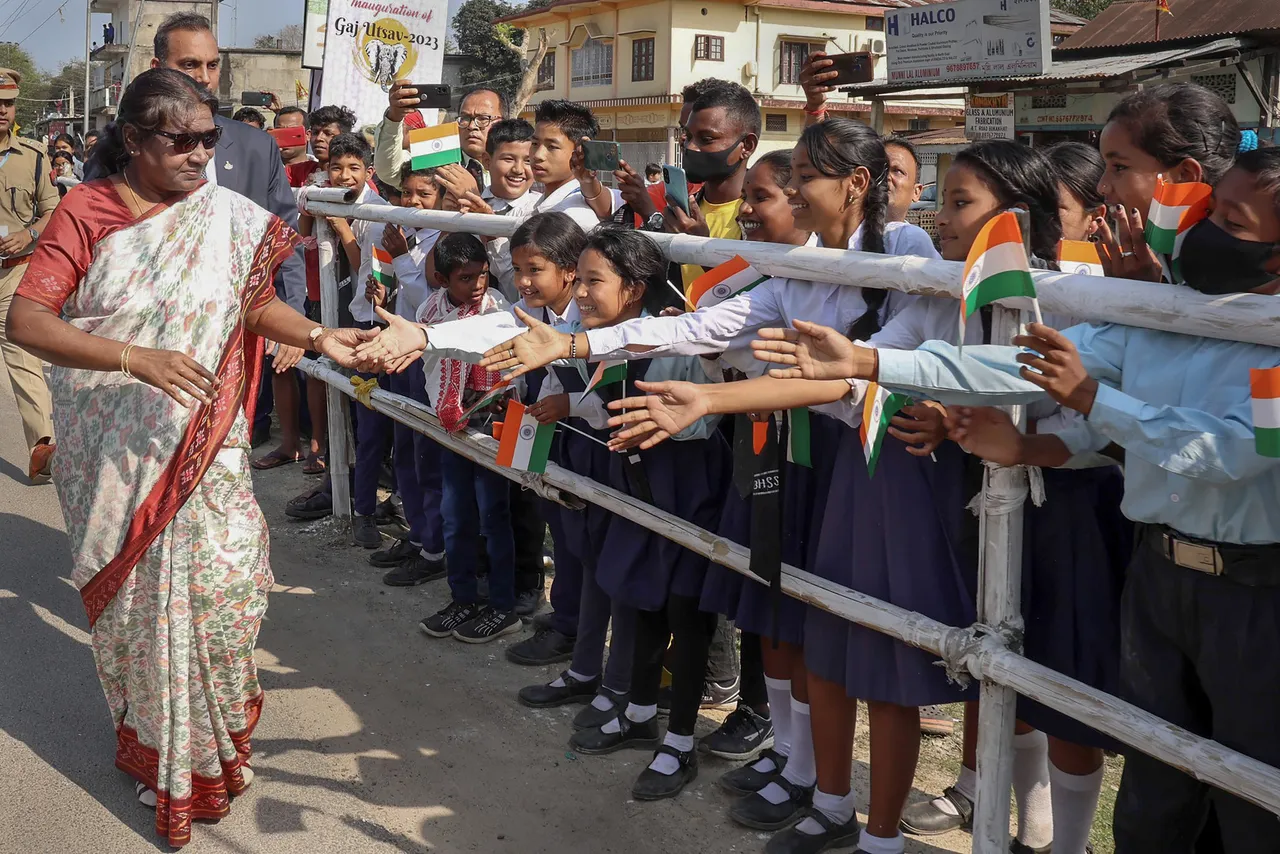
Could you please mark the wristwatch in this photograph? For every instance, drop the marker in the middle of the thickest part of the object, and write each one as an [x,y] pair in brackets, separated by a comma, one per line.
[35,235]
[314,338]
[655,222]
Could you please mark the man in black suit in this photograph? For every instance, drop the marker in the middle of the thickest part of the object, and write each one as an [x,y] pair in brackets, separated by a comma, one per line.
[248,161]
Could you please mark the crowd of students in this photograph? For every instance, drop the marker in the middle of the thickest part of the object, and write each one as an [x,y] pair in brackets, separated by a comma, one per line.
[1108,597]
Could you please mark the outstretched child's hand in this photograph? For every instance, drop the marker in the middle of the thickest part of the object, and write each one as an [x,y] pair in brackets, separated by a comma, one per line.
[394,348]
[813,352]
[537,348]
[664,410]
[986,432]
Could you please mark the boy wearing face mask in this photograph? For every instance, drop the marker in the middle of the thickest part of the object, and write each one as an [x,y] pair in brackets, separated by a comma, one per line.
[722,134]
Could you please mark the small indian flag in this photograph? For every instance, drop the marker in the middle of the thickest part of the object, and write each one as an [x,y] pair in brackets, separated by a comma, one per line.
[1174,209]
[759,435]
[798,450]
[434,146]
[881,405]
[494,393]
[997,269]
[525,443]
[1080,257]
[733,277]
[384,268]
[1264,384]
[608,372]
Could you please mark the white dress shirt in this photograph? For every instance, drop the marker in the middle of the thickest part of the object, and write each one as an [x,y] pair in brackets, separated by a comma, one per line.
[368,235]
[568,199]
[411,272]
[499,248]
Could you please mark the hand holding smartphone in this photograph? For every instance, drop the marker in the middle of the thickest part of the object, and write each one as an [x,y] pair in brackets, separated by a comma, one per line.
[433,96]
[289,137]
[600,155]
[677,187]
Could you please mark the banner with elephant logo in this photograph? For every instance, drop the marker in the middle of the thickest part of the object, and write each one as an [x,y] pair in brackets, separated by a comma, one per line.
[370,43]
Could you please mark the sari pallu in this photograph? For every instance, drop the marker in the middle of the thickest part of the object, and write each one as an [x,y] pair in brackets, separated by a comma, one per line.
[170,549]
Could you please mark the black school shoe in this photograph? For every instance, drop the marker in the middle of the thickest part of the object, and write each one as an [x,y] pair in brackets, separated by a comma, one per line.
[591,717]
[1016,847]
[401,551]
[442,623]
[594,742]
[528,602]
[755,811]
[742,736]
[547,646]
[654,786]
[925,819]
[414,571]
[792,841]
[548,695]
[746,780]
[488,624]
[365,533]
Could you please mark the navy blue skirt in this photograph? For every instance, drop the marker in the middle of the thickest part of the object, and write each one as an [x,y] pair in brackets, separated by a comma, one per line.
[640,569]
[1075,550]
[583,530]
[896,537]
[749,603]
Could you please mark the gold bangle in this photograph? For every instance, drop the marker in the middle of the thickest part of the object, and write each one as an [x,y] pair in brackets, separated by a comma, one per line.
[596,196]
[124,360]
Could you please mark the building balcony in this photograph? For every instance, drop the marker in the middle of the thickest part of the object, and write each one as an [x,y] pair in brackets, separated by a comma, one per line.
[109,52]
[107,7]
[105,99]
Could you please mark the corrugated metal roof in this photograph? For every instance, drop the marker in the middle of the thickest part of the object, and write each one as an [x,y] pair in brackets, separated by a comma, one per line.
[1134,23]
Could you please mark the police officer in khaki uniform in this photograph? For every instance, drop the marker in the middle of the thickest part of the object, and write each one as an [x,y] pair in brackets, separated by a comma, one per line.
[27,200]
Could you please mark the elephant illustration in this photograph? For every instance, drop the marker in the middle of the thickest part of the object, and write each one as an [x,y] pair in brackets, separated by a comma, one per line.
[385,60]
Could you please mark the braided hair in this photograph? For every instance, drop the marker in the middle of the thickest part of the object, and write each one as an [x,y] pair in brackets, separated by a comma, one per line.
[837,148]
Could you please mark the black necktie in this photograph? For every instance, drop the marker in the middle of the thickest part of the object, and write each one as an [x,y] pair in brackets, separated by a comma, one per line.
[477,171]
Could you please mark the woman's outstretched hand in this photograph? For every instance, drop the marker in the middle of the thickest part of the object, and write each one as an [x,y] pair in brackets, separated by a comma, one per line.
[537,348]
[176,374]
[341,344]
[665,410]
[391,349]
[812,352]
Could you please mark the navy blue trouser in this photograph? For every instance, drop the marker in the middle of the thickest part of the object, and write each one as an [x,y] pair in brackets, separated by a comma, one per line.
[417,464]
[477,500]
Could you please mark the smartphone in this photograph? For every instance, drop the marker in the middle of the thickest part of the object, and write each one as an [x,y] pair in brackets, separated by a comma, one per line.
[433,96]
[600,155]
[289,137]
[859,67]
[255,99]
[677,187]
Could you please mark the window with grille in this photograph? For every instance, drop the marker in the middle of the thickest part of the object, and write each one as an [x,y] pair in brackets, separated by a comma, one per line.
[1049,102]
[592,64]
[775,122]
[876,24]
[547,72]
[917,124]
[642,59]
[708,47]
[1219,84]
[794,55]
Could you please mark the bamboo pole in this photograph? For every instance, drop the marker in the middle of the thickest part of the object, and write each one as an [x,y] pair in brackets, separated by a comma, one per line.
[339,417]
[1253,318]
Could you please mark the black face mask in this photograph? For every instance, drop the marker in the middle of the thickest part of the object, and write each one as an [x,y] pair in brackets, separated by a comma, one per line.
[1215,262]
[703,166]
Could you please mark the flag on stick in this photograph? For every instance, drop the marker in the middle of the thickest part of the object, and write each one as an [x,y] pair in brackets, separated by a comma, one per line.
[525,443]
[1080,257]
[881,405]
[384,270]
[494,393]
[434,146]
[1174,209]
[608,372]
[1264,384]
[1163,6]
[798,450]
[997,269]
[733,277]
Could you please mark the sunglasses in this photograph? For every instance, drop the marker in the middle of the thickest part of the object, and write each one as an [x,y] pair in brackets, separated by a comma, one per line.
[185,143]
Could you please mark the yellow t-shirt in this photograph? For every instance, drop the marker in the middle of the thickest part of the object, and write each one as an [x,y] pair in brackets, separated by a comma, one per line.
[722,221]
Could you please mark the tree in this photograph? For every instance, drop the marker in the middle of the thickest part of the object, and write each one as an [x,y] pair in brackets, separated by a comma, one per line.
[1087,9]
[32,87]
[529,74]
[286,38]
[495,48]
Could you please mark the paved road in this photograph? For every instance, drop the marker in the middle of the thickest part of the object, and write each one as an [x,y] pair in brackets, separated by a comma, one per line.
[374,738]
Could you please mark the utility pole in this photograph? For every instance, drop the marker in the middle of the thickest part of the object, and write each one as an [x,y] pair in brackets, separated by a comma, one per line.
[213,18]
[88,33]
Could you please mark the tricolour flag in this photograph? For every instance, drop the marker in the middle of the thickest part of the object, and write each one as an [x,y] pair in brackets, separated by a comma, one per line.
[798,451]
[881,405]
[996,269]
[733,277]
[1163,6]
[759,435]
[384,267]
[494,393]
[434,146]
[525,443]
[1264,385]
[1080,257]
[608,372]
[1174,209]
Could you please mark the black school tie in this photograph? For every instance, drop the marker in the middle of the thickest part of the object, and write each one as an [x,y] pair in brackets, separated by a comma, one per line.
[477,171]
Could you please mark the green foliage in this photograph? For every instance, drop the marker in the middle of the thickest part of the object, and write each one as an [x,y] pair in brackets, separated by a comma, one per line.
[496,47]
[1087,9]
[32,88]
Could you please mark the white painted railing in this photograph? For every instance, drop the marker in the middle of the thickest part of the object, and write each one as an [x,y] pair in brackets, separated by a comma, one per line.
[985,651]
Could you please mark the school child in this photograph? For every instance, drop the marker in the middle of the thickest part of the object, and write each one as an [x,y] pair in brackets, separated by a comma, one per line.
[418,557]
[556,160]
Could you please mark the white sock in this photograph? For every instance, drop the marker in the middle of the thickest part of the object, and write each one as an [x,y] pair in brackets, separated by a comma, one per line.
[880,845]
[601,702]
[635,714]
[431,555]
[837,808]
[1075,800]
[966,784]
[779,693]
[559,680]
[664,763]
[802,768]
[764,765]
[1031,789]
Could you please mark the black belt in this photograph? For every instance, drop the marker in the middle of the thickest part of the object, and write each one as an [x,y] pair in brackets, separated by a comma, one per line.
[1255,566]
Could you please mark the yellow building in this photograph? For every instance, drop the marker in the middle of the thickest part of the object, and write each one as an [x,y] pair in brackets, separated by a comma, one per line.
[628,60]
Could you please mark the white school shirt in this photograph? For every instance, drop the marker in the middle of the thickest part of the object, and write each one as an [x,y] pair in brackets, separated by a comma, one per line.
[568,200]
[411,272]
[499,248]
[368,235]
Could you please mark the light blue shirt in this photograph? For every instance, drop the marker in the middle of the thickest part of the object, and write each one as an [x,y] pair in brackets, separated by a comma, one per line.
[1179,406]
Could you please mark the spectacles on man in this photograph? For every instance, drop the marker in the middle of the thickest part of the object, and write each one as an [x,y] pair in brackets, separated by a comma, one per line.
[185,143]
[480,121]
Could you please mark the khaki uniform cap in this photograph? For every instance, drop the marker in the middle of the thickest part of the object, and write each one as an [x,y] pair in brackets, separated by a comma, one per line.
[9,82]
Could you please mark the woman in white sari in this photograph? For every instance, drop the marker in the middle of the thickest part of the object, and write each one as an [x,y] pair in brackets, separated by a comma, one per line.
[151,294]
